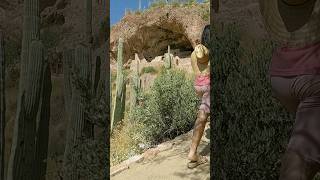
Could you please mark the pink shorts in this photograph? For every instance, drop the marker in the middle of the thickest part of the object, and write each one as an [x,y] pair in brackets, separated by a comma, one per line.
[204,91]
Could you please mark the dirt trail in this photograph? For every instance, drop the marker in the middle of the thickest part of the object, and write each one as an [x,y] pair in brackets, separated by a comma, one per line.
[170,164]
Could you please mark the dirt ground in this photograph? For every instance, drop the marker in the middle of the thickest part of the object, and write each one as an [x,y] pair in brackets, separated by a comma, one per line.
[171,164]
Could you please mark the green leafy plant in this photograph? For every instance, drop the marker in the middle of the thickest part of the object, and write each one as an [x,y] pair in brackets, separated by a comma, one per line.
[138,12]
[158,4]
[149,69]
[206,13]
[169,109]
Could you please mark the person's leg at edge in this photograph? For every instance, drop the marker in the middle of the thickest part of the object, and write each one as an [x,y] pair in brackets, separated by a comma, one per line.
[197,134]
[301,159]
[202,116]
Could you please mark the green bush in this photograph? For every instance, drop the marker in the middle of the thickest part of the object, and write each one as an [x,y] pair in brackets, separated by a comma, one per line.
[206,13]
[149,69]
[250,128]
[158,4]
[170,108]
[191,2]
[138,12]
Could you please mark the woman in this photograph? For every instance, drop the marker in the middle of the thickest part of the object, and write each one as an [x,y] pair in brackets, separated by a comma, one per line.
[201,67]
[295,79]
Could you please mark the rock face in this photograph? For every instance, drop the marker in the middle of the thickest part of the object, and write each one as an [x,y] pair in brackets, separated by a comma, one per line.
[66,17]
[150,32]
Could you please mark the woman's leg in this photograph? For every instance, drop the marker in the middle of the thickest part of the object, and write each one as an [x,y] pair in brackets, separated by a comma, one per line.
[197,134]
[200,123]
[302,158]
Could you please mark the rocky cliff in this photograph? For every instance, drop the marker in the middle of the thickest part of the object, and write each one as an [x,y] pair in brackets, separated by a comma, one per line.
[148,33]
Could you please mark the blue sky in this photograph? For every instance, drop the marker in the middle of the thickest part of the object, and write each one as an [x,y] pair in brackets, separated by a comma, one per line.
[117,8]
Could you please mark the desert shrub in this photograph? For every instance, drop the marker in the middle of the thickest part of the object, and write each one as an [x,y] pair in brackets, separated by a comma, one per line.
[175,4]
[138,12]
[158,3]
[206,13]
[191,2]
[149,69]
[91,156]
[169,109]
[250,128]
[125,140]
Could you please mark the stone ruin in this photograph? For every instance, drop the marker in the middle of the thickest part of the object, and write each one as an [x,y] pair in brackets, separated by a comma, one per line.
[181,60]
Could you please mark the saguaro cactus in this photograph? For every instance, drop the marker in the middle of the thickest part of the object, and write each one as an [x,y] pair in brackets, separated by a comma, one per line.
[2,104]
[97,74]
[68,61]
[42,133]
[77,85]
[79,91]
[89,22]
[31,31]
[83,70]
[119,104]
[23,151]
[135,85]
[168,59]
[30,137]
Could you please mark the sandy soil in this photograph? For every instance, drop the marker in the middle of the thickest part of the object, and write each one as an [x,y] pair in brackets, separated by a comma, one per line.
[171,164]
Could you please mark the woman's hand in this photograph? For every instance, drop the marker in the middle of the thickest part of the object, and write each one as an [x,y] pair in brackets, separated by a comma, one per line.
[199,93]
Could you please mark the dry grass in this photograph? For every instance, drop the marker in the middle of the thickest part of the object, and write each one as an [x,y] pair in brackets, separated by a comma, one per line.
[124,141]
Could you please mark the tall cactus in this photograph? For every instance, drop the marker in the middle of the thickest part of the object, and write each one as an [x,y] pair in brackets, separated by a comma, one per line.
[31,31]
[168,59]
[23,151]
[68,61]
[79,126]
[97,75]
[30,137]
[135,85]
[42,133]
[89,22]
[119,104]
[2,104]
[78,92]
[83,69]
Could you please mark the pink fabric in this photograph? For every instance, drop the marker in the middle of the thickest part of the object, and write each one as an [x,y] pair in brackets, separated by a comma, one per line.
[296,61]
[205,97]
[202,80]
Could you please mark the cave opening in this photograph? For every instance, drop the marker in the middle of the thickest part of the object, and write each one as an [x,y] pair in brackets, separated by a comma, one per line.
[153,41]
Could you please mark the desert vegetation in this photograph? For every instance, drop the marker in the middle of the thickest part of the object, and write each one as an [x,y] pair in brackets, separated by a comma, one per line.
[148,117]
